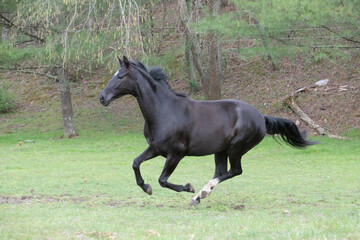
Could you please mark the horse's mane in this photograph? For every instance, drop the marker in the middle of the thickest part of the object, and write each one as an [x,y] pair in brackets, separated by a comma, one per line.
[158,75]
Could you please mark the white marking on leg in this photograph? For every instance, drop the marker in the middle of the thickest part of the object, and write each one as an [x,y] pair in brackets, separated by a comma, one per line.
[207,189]
[213,182]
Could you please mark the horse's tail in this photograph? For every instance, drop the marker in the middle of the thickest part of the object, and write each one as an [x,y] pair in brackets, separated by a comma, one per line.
[288,131]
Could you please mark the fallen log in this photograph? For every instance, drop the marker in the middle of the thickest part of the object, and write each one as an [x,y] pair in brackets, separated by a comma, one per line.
[289,101]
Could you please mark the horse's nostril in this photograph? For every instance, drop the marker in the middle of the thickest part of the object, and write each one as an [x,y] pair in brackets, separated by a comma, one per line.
[102,99]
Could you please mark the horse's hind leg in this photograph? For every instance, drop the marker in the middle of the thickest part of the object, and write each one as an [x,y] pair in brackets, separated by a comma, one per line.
[235,169]
[235,152]
[170,165]
[220,164]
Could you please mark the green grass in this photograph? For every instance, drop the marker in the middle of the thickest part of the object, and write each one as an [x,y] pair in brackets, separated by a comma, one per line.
[84,188]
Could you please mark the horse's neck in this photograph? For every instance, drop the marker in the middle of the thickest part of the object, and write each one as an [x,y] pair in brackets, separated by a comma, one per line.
[154,105]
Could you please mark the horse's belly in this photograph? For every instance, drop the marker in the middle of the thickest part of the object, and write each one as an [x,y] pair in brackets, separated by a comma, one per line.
[208,142]
[202,150]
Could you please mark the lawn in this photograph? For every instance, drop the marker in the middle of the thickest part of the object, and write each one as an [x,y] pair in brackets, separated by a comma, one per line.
[84,188]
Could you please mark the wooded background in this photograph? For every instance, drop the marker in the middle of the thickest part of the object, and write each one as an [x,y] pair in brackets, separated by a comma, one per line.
[63,39]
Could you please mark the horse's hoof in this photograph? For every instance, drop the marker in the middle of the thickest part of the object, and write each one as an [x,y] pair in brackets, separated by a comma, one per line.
[149,189]
[194,202]
[190,188]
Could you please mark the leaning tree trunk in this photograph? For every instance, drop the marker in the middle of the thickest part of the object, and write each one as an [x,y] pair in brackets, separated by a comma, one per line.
[66,104]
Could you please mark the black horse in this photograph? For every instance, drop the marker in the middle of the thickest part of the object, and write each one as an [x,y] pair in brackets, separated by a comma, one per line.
[177,126]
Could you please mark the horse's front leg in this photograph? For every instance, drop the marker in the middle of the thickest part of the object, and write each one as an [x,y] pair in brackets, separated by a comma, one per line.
[170,165]
[146,155]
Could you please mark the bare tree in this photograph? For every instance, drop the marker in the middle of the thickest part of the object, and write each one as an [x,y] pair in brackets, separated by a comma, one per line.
[207,63]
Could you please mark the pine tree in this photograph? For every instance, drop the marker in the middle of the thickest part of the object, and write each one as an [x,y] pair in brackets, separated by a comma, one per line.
[278,28]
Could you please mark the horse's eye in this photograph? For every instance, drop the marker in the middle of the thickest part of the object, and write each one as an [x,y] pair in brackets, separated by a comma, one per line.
[122,75]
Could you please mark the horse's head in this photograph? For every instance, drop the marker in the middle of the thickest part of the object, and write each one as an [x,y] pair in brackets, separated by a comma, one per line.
[119,85]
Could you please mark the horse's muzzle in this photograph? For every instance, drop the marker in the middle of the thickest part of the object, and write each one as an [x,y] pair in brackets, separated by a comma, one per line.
[103,100]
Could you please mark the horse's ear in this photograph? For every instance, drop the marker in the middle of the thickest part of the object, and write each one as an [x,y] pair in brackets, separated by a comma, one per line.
[120,61]
[126,61]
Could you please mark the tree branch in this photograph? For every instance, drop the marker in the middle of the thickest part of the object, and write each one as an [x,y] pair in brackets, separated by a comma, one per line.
[313,46]
[9,23]
[32,72]
[343,37]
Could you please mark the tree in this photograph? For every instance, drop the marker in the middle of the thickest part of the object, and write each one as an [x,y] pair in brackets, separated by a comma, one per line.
[66,104]
[207,64]
[76,36]
[6,7]
[272,29]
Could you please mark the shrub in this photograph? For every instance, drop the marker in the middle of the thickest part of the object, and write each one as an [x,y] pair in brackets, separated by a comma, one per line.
[7,101]
[10,55]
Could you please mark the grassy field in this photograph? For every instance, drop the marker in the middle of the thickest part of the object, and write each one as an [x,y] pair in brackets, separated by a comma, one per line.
[84,188]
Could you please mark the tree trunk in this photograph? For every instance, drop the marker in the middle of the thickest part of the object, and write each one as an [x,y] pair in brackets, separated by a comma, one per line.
[214,61]
[193,82]
[265,42]
[158,48]
[206,64]
[4,33]
[4,30]
[214,85]
[66,104]
[195,48]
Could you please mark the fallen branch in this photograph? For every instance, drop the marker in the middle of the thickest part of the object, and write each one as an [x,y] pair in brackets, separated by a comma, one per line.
[37,73]
[289,101]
